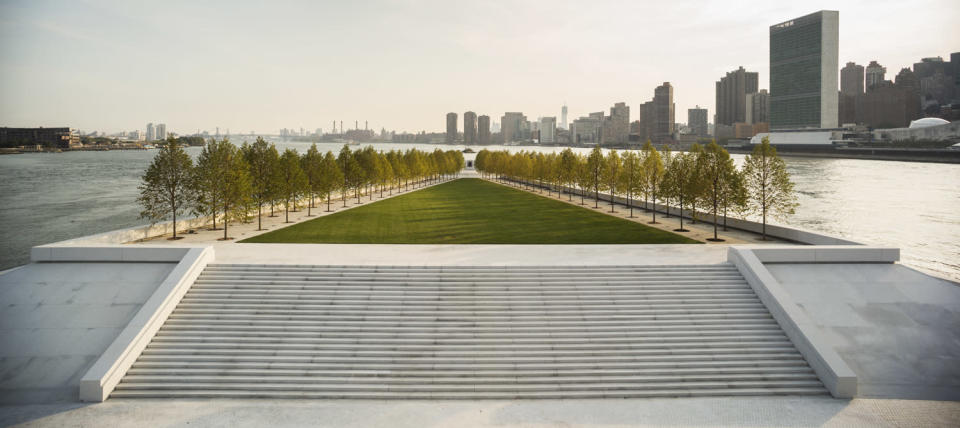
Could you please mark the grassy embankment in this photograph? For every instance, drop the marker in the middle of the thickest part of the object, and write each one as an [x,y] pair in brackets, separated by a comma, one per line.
[469,211]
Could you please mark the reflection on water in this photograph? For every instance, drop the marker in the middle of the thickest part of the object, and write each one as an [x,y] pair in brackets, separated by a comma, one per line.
[51,197]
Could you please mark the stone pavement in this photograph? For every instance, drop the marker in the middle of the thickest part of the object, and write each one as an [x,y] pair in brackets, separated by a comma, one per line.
[685,412]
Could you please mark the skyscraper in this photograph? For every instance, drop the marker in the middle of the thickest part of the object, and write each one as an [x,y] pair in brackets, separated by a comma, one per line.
[512,125]
[616,127]
[483,130]
[469,128]
[151,134]
[451,128]
[875,75]
[732,91]
[548,129]
[804,66]
[664,111]
[851,79]
[758,107]
[697,121]
[161,132]
[563,116]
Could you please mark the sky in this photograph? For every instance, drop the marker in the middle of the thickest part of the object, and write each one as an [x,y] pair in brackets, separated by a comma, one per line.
[403,64]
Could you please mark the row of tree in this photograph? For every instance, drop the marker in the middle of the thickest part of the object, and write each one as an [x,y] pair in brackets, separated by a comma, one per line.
[704,179]
[232,182]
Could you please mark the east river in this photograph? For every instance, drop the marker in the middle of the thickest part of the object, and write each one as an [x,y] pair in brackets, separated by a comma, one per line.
[915,206]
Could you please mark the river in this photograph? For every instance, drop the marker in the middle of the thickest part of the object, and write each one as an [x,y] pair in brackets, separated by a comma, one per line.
[915,206]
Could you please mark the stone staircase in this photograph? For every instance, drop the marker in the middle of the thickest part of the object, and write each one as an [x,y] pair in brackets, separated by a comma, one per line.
[469,332]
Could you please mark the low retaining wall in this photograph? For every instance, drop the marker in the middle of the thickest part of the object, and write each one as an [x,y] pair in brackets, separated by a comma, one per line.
[100,380]
[833,371]
[780,232]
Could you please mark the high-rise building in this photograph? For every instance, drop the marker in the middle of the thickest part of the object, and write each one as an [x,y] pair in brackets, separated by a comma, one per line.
[563,116]
[732,91]
[851,79]
[804,66]
[151,133]
[758,107]
[875,74]
[161,131]
[647,117]
[587,130]
[451,128]
[664,110]
[616,127]
[469,128]
[512,125]
[697,121]
[483,130]
[548,129]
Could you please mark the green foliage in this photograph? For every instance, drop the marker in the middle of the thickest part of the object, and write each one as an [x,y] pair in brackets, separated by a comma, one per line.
[262,161]
[293,182]
[768,183]
[165,188]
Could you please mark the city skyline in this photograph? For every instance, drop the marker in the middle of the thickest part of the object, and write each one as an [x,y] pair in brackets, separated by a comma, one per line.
[201,66]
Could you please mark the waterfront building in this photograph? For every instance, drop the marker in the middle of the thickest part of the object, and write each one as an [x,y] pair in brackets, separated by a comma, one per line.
[731,94]
[483,130]
[616,127]
[851,79]
[451,128]
[469,128]
[548,129]
[587,129]
[758,107]
[60,138]
[804,71]
[512,126]
[161,131]
[875,74]
[563,116]
[664,107]
[647,118]
[151,134]
[697,121]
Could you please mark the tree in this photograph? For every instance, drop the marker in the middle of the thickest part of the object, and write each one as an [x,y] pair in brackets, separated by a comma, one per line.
[330,176]
[632,178]
[611,175]
[261,160]
[717,166]
[209,175]
[734,194]
[568,170]
[595,169]
[768,183]
[292,180]
[653,177]
[236,187]
[310,163]
[343,162]
[165,188]
[584,176]
[682,181]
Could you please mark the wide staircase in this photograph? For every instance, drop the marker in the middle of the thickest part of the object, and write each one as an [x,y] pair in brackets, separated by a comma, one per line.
[469,332]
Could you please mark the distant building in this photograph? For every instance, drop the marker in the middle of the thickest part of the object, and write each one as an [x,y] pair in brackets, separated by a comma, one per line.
[647,117]
[616,127]
[483,130]
[851,79]
[664,110]
[697,121]
[563,117]
[875,74]
[512,126]
[758,107]
[469,128]
[161,131]
[451,128]
[732,91]
[151,133]
[587,129]
[61,138]
[548,129]
[804,71]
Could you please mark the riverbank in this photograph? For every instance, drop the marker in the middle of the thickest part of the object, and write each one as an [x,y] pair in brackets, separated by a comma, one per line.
[868,153]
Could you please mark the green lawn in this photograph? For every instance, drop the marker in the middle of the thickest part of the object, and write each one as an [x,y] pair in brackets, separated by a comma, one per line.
[469,211]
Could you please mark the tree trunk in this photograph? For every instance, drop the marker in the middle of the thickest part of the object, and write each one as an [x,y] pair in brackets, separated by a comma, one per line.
[225,209]
[259,216]
[286,211]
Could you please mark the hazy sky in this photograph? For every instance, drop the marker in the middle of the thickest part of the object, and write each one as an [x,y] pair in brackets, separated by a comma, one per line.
[403,65]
